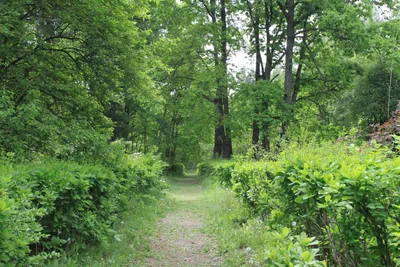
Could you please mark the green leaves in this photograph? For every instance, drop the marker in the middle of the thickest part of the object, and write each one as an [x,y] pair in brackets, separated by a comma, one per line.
[333,192]
[51,204]
[62,64]
[293,251]
[3,205]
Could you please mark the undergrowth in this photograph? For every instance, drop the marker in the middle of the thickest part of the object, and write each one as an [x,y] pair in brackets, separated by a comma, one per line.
[244,240]
[131,242]
[341,200]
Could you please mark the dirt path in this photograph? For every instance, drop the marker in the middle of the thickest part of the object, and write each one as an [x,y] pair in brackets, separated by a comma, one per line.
[179,240]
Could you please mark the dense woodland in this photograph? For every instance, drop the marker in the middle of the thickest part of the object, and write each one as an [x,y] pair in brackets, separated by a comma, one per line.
[98,98]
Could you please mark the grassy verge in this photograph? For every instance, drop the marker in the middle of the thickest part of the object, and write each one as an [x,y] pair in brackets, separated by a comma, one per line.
[241,241]
[131,242]
[245,240]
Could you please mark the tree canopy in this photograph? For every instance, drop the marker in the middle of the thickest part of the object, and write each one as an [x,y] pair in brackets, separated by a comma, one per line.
[158,75]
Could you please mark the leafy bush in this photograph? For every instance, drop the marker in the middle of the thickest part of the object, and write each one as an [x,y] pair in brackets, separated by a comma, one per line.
[223,172]
[177,169]
[80,201]
[347,199]
[290,250]
[204,169]
[249,241]
[48,205]
[140,173]
[19,226]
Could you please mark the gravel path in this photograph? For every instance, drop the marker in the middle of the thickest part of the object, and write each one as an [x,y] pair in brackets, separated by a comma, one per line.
[179,240]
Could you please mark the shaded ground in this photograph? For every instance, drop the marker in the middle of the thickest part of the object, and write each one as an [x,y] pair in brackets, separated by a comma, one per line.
[179,240]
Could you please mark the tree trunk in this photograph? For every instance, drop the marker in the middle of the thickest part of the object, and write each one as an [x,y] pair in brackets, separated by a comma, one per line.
[219,132]
[227,148]
[296,86]
[290,42]
[222,133]
[262,73]
[258,74]
[290,35]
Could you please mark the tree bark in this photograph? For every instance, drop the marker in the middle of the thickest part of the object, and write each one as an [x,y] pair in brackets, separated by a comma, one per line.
[290,40]
[288,12]
[259,71]
[262,73]
[222,133]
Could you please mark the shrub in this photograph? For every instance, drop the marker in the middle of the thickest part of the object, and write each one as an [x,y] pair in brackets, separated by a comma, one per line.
[175,169]
[253,182]
[140,173]
[223,172]
[204,169]
[18,223]
[298,250]
[347,199]
[48,205]
[80,201]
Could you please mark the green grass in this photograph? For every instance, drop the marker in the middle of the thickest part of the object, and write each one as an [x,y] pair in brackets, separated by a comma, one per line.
[242,240]
[130,245]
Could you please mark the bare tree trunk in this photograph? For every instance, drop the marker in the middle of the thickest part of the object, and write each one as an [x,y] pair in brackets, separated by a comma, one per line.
[259,72]
[290,35]
[262,73]
[288,12]
[222,133]
[227,143]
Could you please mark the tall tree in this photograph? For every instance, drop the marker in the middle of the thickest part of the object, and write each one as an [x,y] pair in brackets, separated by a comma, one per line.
[60,66]
[266,38]
[216,12]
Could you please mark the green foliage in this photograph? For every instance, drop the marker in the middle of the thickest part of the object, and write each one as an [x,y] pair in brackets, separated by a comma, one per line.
[204,169]
[261,102]
[224,174]
[81,201]
[18,223]
[175,169]
[142,173]
[77,75]
[61,66]
[251,242]
[346,198]
[129,243]
[293,250]
[50,205]
[372,91]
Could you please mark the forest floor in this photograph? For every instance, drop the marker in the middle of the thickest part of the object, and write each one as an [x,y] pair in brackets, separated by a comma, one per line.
[180,239]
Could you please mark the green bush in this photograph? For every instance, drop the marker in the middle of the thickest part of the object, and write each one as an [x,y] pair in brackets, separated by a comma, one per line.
[204,169]
[18,225]
[49,205]
[289,250]
[140,173]
[223,173]
[349,200]
[175,169]
[80,201]
[253,182]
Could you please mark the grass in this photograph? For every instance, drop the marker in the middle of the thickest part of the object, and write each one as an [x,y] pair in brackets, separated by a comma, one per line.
[131,243]
[242,240]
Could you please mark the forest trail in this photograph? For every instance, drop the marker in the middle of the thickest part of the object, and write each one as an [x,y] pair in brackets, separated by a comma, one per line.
[179,239]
